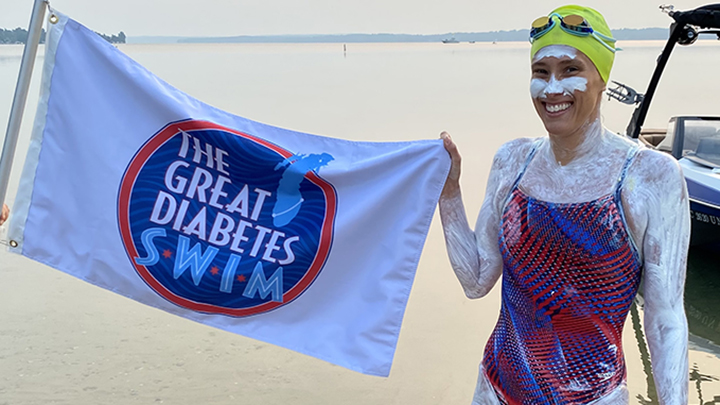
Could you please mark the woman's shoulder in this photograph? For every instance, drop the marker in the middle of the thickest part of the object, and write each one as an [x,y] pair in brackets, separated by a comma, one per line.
[650,164]
[518,145]
[511,153]
[657,173]
[656,165]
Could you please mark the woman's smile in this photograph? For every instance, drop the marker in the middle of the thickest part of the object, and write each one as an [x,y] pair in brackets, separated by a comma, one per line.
[557,109]
[566,92]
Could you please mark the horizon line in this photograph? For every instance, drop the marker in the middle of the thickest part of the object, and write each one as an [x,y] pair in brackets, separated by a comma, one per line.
[364,33]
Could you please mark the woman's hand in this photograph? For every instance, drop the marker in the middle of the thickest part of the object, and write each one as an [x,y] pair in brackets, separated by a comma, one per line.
[452,183]
[4,215]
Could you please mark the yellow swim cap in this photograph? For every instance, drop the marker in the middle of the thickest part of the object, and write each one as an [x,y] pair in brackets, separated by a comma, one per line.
[599,54]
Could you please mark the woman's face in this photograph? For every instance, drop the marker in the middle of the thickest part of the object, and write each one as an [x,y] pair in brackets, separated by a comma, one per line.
[566,89]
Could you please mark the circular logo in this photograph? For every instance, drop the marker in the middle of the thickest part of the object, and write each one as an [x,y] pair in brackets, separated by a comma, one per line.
[218,221]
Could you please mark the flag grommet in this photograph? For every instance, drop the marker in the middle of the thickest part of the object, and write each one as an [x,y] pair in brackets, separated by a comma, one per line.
[13,244]
[53,19]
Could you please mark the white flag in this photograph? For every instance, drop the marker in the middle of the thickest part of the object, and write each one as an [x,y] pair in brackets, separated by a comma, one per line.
[306,242]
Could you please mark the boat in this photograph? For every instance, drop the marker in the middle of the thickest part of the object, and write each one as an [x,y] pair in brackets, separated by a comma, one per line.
[693,140]
[450,41]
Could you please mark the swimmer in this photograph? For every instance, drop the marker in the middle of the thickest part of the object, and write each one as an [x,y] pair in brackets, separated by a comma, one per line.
[573,221]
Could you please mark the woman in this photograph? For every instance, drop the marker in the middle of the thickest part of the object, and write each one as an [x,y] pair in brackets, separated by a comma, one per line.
[573,221]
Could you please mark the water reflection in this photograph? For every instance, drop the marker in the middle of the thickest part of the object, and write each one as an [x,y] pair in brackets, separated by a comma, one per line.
[698,378]
[702,306]
[644,357]
[702,298]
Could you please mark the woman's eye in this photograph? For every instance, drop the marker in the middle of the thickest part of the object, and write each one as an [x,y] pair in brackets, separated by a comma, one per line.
[540,71]
[572,69]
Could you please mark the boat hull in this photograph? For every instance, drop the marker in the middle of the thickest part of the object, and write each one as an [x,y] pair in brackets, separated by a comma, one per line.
[705,224]
[703,187]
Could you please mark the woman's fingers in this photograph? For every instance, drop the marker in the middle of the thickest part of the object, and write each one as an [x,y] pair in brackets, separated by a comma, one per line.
[5,213]
[454,155]
[453,178]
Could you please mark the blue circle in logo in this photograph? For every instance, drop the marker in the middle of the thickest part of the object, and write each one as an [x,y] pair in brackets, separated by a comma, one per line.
[220,221]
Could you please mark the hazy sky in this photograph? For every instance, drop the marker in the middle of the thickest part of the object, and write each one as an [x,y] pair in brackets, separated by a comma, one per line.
[267,17]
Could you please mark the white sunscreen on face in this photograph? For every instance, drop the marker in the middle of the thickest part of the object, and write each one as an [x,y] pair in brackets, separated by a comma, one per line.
[555,51]
[539,88]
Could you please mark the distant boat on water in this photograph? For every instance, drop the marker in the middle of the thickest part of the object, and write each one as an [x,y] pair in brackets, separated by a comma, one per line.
[450,41]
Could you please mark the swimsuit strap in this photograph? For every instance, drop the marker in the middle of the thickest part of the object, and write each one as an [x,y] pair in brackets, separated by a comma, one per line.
[628,161]
[618,200]
[534,149]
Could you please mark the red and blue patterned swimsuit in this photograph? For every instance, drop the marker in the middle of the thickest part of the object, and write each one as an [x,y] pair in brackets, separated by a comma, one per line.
[570,273]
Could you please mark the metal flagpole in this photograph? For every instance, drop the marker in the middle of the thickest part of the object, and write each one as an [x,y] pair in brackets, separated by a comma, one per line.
[21,92]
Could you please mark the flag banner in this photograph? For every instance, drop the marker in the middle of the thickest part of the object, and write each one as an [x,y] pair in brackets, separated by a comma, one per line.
[302,241]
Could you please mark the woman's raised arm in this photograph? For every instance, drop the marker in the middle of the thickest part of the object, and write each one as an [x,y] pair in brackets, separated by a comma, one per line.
[475,255]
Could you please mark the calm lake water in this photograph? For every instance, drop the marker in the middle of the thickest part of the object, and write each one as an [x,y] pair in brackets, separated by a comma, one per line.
[477,92]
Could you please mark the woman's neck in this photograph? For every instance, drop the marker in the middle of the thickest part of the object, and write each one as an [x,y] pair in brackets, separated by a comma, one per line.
[581,143]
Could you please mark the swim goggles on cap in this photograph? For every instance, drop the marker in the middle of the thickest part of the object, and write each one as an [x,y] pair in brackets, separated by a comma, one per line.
[572,24]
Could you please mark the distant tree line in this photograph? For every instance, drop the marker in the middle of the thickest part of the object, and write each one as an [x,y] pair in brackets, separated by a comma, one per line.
[114,39]
[19,36]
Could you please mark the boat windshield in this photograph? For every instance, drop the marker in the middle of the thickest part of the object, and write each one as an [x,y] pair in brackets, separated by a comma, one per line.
[701,141]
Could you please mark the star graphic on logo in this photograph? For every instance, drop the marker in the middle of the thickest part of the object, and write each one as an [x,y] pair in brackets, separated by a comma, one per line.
[167,253]
[241,278]
[214,271]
